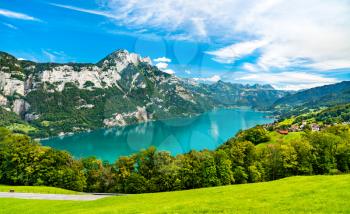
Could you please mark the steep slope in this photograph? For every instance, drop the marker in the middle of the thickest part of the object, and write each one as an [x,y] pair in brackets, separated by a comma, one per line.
[121,89]
[327,95]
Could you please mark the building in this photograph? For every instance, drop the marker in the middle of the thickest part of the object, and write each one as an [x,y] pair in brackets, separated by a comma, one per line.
[284,132]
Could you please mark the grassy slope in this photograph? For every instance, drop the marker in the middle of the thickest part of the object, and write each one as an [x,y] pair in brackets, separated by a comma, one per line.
[36,189]
[314,194]
[279,138]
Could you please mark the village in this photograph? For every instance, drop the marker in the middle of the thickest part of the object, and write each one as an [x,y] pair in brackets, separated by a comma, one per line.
[285,129]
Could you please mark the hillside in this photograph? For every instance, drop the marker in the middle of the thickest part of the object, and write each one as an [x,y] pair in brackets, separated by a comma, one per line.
[327,95]
[313,194]
[121,89]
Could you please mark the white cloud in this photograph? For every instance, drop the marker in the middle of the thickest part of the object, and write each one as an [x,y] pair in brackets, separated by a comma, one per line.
[308,34]
[312,34]
[15,15]
[94,12]
[286,80]
[49,55]
[233,52]
[54,56]
[169,71]
[250,67]
[213,78]
[10,26]
[162,65]
[162,59]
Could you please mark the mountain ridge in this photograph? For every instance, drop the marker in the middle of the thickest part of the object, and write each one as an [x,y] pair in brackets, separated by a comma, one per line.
[122,88]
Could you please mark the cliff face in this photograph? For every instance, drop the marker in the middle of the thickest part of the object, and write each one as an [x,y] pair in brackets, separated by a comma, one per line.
[18,78]
[120,89]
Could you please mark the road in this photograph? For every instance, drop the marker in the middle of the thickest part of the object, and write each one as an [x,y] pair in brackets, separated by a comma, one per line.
[82,197]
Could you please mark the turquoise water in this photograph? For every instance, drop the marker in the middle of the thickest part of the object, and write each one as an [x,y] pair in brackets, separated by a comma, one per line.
[206,131]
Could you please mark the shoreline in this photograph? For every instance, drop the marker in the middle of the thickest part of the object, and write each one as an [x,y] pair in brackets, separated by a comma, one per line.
[244,108]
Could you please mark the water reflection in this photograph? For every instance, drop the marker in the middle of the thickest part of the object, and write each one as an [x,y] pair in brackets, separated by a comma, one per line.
[206,131]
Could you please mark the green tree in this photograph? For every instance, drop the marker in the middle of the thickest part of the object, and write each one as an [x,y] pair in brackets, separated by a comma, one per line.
[223,167]
[136,183]
[255,135]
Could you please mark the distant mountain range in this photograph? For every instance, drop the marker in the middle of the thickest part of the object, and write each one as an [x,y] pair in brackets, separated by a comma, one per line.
[123,88]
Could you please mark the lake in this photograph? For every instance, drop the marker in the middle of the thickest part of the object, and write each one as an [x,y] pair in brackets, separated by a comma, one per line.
[205,131]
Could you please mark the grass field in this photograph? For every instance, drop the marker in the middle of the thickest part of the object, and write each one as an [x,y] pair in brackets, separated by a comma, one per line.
[279,138]
[314,194]
[31,189]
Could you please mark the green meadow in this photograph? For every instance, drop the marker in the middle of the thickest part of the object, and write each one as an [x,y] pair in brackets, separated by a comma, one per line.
[276,138]
[304,194]
[36,189]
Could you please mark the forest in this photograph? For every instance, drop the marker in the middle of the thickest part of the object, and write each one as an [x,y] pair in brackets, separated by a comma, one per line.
[24,161]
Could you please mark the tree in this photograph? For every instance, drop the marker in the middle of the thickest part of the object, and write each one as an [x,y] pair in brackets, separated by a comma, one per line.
[209,170]
[256,135]
[93,172]
[136,183]
[223,168]
[240,175]
[166,174]
[125,166]
[146,162]
[272,162]
[25,162]
[289,160]
[305,157]
[324,147]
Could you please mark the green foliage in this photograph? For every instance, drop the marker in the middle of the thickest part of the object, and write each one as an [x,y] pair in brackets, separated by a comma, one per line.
[255,135]
[76,108]
[328,95]
[88,84]
[24,162]
[136,183]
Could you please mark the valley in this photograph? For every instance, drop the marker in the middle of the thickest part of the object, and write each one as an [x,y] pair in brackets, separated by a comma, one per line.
[119,106]
[49,99]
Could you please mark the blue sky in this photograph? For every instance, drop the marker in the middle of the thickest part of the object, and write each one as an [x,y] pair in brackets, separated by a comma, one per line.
[291,45]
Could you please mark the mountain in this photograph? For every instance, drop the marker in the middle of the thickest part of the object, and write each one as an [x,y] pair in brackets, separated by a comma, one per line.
[327,95]
[308,100]
[256,96]
[123,88]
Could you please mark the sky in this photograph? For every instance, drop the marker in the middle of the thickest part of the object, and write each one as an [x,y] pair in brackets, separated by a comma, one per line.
[290,44]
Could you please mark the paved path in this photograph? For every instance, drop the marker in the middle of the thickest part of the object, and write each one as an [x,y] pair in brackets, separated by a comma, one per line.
[83,197]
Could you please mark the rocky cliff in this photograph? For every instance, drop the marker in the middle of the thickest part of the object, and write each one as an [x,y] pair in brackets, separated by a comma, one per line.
[121,89]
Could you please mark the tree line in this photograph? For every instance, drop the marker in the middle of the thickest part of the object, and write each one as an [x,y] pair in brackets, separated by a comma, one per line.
[25,162]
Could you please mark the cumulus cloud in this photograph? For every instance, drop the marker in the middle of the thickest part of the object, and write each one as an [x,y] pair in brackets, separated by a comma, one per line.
[16,15]
[162,59]
[287,80]
[169,71]
[163,64]
[213,78]
[313,33]
[310,35]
